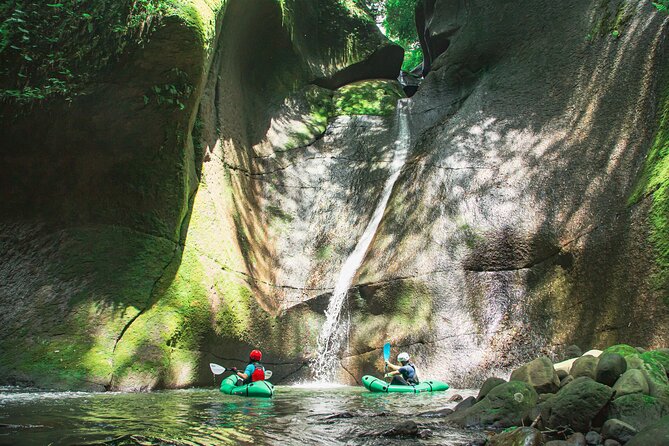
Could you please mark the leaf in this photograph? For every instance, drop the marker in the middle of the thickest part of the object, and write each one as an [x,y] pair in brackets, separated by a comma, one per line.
[54,5]
[146,100]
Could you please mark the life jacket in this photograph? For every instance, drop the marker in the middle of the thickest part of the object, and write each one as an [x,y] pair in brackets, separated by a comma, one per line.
[415,379]
[258,374]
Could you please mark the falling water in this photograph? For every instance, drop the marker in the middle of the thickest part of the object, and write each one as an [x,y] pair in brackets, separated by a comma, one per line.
[333,331]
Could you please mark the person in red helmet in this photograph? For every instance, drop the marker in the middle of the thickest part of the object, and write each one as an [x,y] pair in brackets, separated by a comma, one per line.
[254,370]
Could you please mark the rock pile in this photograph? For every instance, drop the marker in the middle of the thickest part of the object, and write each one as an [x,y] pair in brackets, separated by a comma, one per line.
[619,396]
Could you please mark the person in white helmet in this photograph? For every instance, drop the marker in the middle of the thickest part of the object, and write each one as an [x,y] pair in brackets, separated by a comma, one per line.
[404,374]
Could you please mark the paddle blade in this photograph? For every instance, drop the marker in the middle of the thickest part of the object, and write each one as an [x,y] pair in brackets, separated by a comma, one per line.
[386,351]
[268,374]
[216,369]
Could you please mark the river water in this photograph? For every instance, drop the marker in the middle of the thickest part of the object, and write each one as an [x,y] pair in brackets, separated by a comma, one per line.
[296,415]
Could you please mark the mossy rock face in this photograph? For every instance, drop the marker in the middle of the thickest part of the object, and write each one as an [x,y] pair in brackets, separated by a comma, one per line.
[637,410]
[659,356]
[487,386]
[506,405]
[622,349]
[376,97]
[656,376]
[577,404]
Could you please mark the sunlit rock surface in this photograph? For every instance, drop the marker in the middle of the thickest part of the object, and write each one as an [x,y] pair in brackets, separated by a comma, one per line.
[140,241]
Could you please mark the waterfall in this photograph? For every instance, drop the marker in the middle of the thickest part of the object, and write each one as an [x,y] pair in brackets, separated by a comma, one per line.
[334,331]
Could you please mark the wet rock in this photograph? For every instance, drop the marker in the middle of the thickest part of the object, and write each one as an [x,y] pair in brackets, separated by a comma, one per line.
[656,376]
[618,430]
[338,416]
[522,436]
[540,374]
[545,397]
[437,413]
[576,405]
[637,410]
[506,405]
[585,366]
[561,374]
[610,367]
[593,438]
[657,434]
[407,428]
[487,386]
[577,439]
[478,442]
[465,404]
[632,381]
[611,442]
[557,443]
[455,398]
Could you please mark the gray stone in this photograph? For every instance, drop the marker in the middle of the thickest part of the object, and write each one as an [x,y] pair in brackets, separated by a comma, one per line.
[609,368]
[455,398]
[576,405]
[562,374]
[618,430]
[487,386]
[585,366]
[611,442]
[593,438]
[632,381]
[540,374]
[557,443]
[656,434]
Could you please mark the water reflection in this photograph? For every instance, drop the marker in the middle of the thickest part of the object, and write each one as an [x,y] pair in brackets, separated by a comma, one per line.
[296,415]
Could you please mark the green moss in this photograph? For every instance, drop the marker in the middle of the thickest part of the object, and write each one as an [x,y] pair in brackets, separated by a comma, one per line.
[657,356]
[368,98]
[611,23]
[654,182]
[623,350]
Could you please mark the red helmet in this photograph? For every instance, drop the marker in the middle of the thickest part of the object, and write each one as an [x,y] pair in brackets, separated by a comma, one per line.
[255,355]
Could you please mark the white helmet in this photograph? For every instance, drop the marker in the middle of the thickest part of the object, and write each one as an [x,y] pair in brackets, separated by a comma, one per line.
[403,357]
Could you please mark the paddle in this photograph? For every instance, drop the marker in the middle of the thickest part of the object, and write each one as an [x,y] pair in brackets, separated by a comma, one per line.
[218,369]
[386,358]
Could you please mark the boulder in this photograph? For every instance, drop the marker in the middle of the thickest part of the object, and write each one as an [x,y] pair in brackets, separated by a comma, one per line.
[576,405]
[522,436]
[437,413]
[609,368]
[611,442]
[577,439]
[585,366]
[618,430]
[632,381]
[487,386]
[593,438]
[656,376]
[506,405]
[637,410]
[543,397]
[659,356]
[455,398]
[557,443]
[634,362]
[623,350]
[656,434]
[540,374]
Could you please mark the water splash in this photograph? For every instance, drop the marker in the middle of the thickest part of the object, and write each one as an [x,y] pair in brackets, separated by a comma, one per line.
[333,331]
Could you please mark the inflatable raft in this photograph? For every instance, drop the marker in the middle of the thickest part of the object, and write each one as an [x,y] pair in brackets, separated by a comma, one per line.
[259,389]
[378,385]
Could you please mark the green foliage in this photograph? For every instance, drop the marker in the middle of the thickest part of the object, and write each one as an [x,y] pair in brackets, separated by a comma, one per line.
[367,98]
[662,5]
[52,49]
